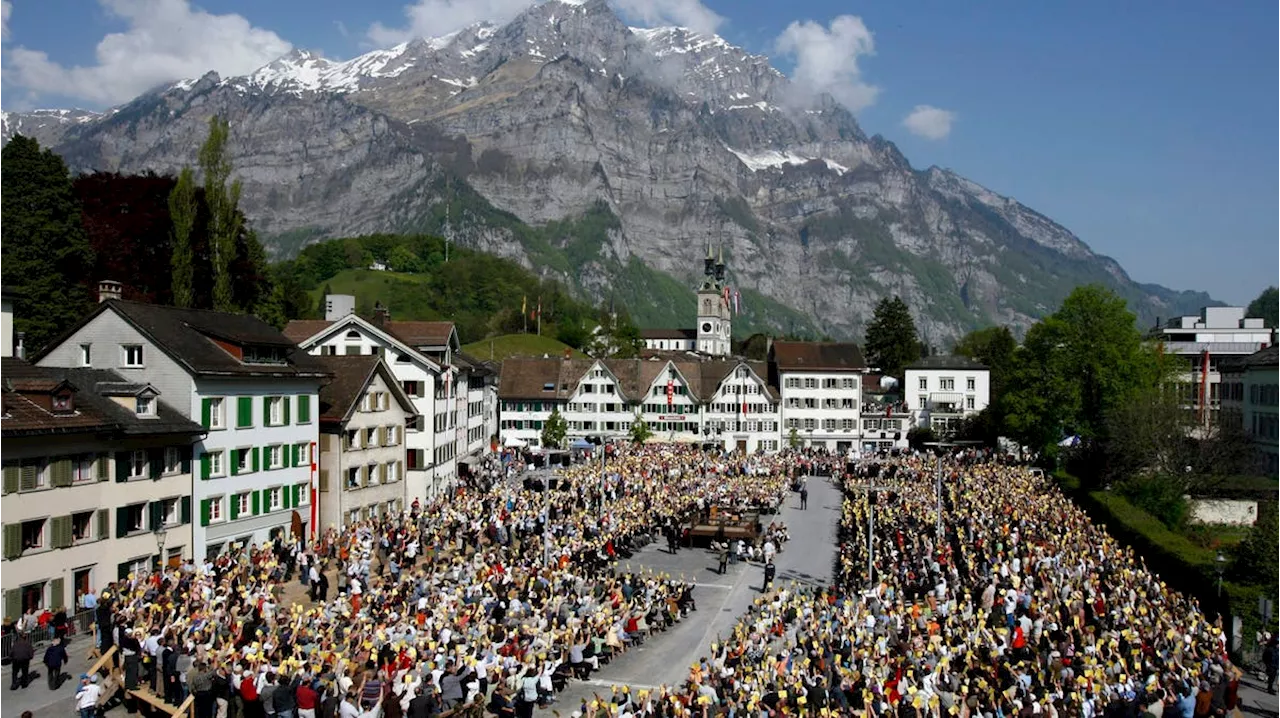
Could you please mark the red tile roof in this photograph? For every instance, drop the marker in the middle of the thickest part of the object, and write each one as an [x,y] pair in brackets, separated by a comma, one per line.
[817,356]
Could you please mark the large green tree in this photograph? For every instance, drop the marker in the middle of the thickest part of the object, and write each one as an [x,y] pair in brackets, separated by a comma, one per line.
[225,221]
[994,347]
[1075,366]
[45,253]
[182,211]
[554,431]
[892,342]
[1266,306]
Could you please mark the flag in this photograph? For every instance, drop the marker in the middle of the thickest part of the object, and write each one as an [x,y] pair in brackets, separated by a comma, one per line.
[725,295]
[524,308]
[671,390]
[448,382]
[737,296]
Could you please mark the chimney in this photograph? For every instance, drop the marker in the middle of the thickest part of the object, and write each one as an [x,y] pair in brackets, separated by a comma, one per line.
[568,353]
[109,289]
[381,314]
[19,346]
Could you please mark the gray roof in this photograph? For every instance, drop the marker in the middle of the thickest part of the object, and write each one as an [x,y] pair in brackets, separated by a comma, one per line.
[947,362]
[192,337]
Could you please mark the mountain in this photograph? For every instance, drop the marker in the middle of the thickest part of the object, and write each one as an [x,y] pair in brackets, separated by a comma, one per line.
[611,156]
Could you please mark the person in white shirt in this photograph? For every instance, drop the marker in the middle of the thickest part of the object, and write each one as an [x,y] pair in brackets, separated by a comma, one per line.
[87,697]
[347,709]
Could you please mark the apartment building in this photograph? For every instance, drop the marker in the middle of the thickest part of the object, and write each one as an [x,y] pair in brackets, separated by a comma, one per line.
[821,385]
[250,388]
[1250,398]
[940,391]
[97,482]
[364,413]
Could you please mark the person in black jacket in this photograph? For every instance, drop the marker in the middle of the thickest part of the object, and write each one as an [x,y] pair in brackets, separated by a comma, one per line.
[21,653]
[424,703]
[55,657]
[169,673]
[284,700]
[221,690]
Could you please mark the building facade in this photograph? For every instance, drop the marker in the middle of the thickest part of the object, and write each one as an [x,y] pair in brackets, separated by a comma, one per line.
[941,391]
[821,385]
[1250,397]
[363,416]
[250,388]
[1202,342]
[97,483]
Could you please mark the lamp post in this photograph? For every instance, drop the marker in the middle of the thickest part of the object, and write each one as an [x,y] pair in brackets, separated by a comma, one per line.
[160,535]
[940,446]
[872,492]
[1220,567]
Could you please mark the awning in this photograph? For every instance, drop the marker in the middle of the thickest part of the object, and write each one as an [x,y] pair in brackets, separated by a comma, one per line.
[946,398]
[515,442]
[581,444]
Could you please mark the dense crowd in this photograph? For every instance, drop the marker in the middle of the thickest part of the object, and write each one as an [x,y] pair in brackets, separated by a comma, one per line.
[492,587]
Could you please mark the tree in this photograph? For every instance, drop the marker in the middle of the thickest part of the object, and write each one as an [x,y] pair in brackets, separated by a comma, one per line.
[554,431]
[994,347]
[1074,367]
[126,222]
[1256,560]
[793,439]
[918,436]
[225,221]
[402,259]
[891,337]
[640,432]
[182,210]
[46,257]
[1266,306]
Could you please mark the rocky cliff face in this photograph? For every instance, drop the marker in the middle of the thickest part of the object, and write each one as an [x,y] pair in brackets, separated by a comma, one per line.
[531,131]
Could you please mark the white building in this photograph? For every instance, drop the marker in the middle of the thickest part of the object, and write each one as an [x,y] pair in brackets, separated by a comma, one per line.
[670,340]
[727,401]
[1251,399]
[7,347]
[240,378]
[821,385]
[363,416]
[940,391]
[423,358]
[1204,340]
[97,483]
[712,335]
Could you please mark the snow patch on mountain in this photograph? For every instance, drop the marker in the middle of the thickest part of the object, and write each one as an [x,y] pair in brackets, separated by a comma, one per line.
[776,159]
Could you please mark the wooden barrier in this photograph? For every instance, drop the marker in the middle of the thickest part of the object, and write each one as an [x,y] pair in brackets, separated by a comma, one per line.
[186,709]
[103,660]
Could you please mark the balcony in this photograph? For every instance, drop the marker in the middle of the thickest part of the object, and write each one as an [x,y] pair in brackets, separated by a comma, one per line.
[1212,347]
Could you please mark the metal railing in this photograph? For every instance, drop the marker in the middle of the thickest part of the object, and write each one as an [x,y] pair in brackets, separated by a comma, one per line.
[77,624]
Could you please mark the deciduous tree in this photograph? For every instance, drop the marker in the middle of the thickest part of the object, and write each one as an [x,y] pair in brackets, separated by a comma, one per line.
[225,221]
[891,337]
[182,212]
[1266,306]
[554,431]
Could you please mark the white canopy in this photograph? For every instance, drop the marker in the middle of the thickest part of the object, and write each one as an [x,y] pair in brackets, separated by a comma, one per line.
[513,441]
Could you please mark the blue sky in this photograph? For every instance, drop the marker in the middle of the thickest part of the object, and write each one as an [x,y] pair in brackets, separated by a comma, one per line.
[1147,128]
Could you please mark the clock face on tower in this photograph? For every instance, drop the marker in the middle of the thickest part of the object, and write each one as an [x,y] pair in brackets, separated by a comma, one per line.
[706,327]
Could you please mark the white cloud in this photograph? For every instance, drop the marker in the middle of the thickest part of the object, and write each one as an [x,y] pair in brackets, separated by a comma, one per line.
[433,18]
[826,59]
[686,13]
[166,40]
[928,122]
[6,9]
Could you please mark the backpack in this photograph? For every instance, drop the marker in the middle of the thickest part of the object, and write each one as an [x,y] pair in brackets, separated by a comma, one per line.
[249,689]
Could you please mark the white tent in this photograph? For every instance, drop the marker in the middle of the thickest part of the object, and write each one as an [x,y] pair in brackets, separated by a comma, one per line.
[513,441]
[1070,441]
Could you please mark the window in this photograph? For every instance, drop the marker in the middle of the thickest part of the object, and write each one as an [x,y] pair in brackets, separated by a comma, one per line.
[353,477]
[924,383]
[352,439]
[304,454]
[86,468]
[170,512]
[131,355]
[172,460]
[969,384]
[948,383]
[213,408]
[393,435]
[145,406]
[810,424]
[33,535]
[242,504]
[82,527]
[924,400]
[240,457]
[275,411]
[132,519]
[215,509]
[793,382]
[328,350]
[301,495]
[216,465]
[137,464]
[371,437]
[275,457]
[413,388]
[86,355]
[62,403]
[393,471]
[810,382]
[275,499]
[847,383]
[829,383]
[968,402]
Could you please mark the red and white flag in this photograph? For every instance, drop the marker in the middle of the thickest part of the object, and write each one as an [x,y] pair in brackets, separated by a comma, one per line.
[671,392]
[737,296]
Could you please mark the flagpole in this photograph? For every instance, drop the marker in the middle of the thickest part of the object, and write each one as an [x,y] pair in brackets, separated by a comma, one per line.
[539,316]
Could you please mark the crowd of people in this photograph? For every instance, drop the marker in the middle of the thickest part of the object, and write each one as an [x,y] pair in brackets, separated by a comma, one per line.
[494,590]
[497,596]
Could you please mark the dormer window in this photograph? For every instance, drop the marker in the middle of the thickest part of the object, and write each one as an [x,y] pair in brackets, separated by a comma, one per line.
[146,405]
[265,355]
[62,403]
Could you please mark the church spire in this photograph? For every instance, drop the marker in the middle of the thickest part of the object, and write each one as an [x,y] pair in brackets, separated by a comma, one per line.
[720,266]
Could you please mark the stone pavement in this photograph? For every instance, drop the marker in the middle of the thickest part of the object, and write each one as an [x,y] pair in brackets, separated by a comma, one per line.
[665,658]
[37,697]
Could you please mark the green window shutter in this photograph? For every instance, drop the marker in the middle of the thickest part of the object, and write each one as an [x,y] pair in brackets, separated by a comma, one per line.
[13,475]
[204,512]
[286,456]
[285,495]
[185,509]
[257,503]
[206,412]
[122,466]
[56,587]
[297,493]
[13,603]
[155,462]
[324,480]
[304,409]
[244,412]
[266,411]
[122,521]
[103,467]
[293,452]
[122,571]
[60,531]
[12,544]
[104,523]
[185,453]
[60,472]
[235,507]
[285,403]
[156,511]
[235,461]
[206,466]
[266,500]
[256,452]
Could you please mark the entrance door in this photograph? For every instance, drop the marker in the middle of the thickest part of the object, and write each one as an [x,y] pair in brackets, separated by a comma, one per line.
[742,446]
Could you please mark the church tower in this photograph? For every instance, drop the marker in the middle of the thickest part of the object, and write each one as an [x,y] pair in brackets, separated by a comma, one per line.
[715,320]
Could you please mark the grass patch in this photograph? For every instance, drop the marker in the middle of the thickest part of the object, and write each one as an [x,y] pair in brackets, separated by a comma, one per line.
[1152,530]
[501,348]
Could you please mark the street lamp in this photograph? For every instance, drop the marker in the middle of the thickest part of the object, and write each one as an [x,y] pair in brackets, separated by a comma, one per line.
[160,535]
[1220,567]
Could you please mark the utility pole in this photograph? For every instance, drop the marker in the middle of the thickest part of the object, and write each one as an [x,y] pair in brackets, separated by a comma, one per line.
[872,491]
[942,445]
